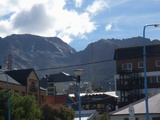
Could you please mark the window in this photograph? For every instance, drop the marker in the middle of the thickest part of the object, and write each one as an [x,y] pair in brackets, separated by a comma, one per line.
[127,66]
[140,65]
[157,63]
[153,79]
[51,85]
[33,84]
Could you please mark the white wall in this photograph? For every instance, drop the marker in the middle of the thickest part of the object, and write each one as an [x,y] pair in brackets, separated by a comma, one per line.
[140,117]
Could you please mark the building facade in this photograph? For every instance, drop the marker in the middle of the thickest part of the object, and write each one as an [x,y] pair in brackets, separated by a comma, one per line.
[58,84]
[24,82]
[129,76]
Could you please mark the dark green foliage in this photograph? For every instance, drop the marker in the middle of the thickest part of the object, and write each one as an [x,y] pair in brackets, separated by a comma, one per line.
[57,112]
[105,116]
[22,107]
[3,104]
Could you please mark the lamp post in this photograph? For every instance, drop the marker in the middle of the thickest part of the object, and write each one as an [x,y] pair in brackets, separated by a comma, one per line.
[79,72]
[145,75]
[8,93]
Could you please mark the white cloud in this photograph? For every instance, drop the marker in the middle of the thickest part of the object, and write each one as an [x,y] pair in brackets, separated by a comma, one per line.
[108,27]
[45,18]
[78,3]
[97,6]
[117,2]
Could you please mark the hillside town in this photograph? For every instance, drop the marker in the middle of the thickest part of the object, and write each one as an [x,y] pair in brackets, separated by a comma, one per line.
[79,59]
[126,102]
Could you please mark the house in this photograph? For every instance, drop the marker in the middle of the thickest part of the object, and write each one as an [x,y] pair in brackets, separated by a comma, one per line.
[99,101]
[57,84]
[138,110]
[129,78]
[24,82]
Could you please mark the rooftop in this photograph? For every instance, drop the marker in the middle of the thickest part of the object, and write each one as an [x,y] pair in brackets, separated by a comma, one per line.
[136,52]
[139,106]
[20,75]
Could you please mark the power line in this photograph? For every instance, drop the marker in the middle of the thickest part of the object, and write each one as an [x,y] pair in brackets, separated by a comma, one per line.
[82,64]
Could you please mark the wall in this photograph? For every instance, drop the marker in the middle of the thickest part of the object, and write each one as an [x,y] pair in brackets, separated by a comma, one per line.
[35,92]
[151,64]
[16,88]
[57,99]
[140,117]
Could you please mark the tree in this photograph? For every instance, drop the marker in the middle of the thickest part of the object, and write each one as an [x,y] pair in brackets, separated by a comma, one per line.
[105,116]
[57,112]
[3,104]
[22,107]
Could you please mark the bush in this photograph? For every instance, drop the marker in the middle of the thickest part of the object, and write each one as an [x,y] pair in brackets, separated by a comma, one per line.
[57,112]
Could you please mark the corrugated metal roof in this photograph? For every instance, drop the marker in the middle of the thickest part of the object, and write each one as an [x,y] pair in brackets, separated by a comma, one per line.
[113,94]
[140,108]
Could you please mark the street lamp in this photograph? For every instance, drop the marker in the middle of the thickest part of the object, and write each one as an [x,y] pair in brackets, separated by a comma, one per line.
[8,93]
[79,72]
[145,76]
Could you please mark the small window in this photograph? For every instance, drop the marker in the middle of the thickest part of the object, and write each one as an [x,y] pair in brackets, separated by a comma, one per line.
[153,79]
[33,85]
[127,66]
[140,65]
[157,63]
[51,85]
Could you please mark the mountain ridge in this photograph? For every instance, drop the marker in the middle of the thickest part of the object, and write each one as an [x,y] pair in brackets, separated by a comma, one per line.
[53,55]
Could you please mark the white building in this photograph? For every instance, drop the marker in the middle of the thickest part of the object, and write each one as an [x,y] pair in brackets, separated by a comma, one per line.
[139,110]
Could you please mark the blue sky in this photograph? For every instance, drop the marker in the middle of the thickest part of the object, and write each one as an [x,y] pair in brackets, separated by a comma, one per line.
[80,22]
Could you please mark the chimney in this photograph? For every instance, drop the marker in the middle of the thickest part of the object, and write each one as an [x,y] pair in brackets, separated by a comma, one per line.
[9,62]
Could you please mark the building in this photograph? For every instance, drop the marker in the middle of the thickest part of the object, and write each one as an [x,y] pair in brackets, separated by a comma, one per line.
[99,101]
[58,84]
[24,82]
[129,78]
[138,110]
[62,100]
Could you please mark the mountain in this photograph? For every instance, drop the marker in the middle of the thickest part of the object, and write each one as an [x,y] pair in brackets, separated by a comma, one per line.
[34,51]
[51,55]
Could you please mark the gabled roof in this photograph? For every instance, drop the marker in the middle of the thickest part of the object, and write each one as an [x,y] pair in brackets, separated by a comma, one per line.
[61,77]
[20,75]
[136,52]
[140,108]
[4,78]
